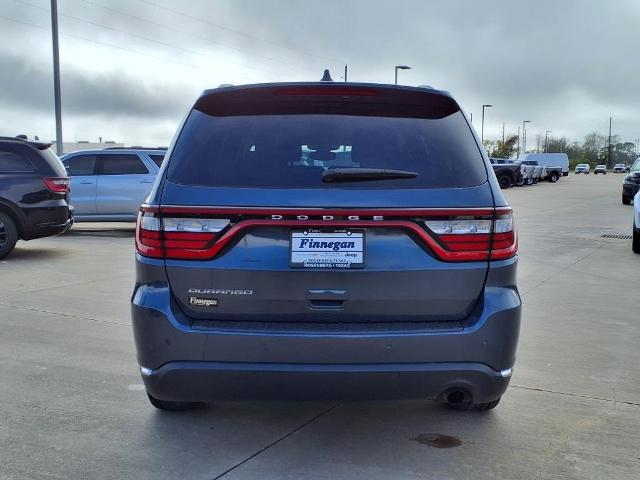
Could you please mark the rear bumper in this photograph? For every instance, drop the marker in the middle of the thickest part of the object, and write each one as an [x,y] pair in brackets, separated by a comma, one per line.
[47,221]
[198,381]
[183,360]
[49,229]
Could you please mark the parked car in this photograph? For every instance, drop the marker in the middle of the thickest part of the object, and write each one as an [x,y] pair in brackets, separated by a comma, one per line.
[635,242]
[264,273]
[631,183]
[582,168]
[34,188]
[619,168]
[508,174]
[111,184]
[549,173]
[600,169]
[549,160]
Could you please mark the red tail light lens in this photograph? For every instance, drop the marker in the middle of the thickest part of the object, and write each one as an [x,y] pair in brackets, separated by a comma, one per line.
[57,184]
[505,239]
[177,238]
[476,238]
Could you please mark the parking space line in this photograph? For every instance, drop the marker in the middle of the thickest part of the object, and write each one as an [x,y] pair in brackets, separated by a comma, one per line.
[64,285]
[96,320]
[576,395]
[272,444]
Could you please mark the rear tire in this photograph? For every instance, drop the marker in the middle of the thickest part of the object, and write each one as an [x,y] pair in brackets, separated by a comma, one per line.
[505,181]
[478,407]
[553,178]
[169,406]
[483,407]
[635,243]
[626,200]
[8,235]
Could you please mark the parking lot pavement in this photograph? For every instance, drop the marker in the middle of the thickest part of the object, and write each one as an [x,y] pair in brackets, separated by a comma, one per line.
[73,404]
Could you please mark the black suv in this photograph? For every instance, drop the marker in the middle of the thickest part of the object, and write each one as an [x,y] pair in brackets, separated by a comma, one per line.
[34,189]
[631,183]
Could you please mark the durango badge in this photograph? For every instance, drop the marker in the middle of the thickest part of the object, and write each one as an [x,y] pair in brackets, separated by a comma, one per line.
[203,302]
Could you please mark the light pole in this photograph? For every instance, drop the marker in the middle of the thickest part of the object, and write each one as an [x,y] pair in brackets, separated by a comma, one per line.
[482,127]
[400,67]
[524,135]
[609,147]
[502,133]
[546,139]
[56,76]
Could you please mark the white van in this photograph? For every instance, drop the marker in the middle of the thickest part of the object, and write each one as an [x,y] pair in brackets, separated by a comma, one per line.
[549,160]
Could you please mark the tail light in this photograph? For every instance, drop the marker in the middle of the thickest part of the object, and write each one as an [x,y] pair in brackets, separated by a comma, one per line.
[475,238]
[57,184]
[177,238]
[197,233]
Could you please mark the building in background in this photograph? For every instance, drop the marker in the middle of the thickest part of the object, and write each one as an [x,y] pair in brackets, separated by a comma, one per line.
[86,145]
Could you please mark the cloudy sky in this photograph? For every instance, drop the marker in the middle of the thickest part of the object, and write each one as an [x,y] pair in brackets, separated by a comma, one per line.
[131,69]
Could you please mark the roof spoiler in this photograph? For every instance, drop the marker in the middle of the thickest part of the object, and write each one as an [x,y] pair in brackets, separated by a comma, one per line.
[38,145]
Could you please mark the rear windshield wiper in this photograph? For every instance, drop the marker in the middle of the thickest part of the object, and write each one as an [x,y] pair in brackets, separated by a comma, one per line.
[364,174]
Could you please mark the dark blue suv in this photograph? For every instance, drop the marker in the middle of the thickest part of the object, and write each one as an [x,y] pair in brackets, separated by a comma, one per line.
[324,240]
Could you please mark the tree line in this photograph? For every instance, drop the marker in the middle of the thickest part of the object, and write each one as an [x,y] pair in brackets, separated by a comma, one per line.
[594,149]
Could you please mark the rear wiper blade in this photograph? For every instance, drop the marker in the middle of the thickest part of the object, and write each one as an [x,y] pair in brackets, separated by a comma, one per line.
[364,174]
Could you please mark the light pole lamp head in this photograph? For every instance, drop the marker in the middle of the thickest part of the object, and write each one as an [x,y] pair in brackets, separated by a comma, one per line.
[403,67]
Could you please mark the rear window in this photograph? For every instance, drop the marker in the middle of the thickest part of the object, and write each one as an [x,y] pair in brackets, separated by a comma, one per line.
[294,149]
[12,161]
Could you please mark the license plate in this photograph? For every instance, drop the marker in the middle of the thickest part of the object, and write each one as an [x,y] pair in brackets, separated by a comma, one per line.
[322,249]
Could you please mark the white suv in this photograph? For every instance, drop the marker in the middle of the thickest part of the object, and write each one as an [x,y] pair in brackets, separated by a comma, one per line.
[582,168]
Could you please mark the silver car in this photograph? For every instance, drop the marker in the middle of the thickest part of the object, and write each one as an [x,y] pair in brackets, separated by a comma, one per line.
[110,185]
[582,168]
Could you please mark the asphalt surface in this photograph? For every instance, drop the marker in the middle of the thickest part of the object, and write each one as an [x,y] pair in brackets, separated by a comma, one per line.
[72,404]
